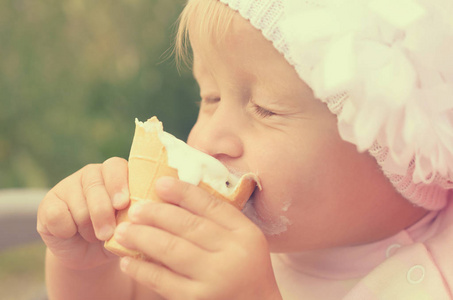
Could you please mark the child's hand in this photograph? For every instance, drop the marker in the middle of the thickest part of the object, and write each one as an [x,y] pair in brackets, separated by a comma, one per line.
[78,214]
[210,250]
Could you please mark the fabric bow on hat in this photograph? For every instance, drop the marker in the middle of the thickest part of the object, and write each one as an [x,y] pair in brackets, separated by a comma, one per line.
[394,60]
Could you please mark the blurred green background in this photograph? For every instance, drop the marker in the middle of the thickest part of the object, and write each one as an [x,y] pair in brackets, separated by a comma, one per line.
[73,76]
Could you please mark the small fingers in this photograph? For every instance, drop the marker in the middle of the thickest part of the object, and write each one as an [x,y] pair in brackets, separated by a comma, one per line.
[177,254]
[175,220]
[115,174]
[70,192]
[199,202]
[156,277]
[100,208]
[54,218]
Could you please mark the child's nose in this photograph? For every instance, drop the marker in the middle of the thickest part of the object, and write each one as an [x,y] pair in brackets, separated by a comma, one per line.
[218,135]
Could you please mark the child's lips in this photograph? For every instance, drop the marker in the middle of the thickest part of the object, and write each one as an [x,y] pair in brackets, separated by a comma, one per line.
[252,176]
[239,173]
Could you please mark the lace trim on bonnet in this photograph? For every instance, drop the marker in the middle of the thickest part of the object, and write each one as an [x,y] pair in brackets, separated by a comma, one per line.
[385,68]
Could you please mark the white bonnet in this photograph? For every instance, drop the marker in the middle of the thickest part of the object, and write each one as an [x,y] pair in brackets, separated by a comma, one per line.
[385,68]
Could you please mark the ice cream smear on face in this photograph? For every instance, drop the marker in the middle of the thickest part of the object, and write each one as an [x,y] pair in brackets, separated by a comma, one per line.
[269,226]
[193,166]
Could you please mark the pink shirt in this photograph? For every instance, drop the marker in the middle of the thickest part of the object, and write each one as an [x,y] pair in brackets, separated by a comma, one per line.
[416,263]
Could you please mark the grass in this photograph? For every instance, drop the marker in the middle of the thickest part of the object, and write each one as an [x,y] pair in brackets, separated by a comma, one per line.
[22,272]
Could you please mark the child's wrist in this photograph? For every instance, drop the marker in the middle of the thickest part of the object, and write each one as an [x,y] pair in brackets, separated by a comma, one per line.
[71,266]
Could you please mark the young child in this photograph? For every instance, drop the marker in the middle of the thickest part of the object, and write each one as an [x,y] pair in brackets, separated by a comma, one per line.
[344,109]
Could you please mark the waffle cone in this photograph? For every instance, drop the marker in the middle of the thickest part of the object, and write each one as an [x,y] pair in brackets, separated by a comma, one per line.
[148,161]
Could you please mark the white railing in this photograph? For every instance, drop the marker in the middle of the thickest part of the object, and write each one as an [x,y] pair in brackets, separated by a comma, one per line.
[20,201]
[18,208]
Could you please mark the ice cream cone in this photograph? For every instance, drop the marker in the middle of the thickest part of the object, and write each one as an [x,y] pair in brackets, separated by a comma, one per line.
[148,161]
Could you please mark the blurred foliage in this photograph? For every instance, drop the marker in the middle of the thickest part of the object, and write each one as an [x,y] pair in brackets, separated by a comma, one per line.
[73,76]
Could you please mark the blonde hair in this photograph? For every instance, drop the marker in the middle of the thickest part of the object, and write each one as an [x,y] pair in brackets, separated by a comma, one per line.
[208,19]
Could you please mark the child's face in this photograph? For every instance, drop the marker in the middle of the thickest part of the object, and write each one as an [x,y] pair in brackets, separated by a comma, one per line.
[257,115]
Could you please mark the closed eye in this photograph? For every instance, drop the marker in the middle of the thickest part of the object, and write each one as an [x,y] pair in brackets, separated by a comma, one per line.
[208,104]
[210,100]
[262,112]
[207,101]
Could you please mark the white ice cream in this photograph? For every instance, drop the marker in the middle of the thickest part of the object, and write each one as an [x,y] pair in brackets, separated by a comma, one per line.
[193,165]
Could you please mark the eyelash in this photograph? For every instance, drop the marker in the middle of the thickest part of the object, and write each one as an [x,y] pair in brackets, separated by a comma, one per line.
[207,101]
[212,100]
[262,112]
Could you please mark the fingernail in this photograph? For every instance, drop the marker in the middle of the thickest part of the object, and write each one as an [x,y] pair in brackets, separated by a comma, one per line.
[121,230]
[124,263]
[105,232]
[135,210]
[165,183]
[121,198]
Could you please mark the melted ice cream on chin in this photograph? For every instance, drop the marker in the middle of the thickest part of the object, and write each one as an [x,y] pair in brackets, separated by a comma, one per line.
[267,225]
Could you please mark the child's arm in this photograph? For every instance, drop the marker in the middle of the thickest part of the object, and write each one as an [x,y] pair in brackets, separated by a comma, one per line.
[74,220]
[103,282]
[209,249]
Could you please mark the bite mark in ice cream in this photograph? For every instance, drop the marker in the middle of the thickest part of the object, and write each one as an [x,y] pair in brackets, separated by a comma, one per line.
[193,166]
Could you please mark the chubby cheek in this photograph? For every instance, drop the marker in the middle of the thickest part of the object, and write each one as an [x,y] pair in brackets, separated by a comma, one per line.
[282,211]
[292,206]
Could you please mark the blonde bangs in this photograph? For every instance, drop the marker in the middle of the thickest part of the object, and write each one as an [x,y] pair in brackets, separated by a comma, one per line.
[209,20]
